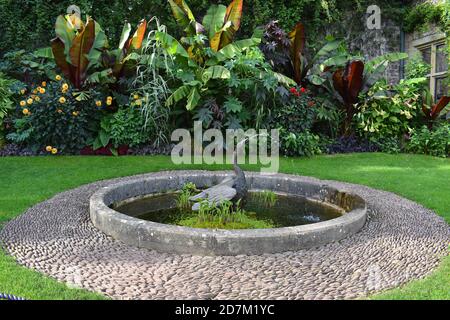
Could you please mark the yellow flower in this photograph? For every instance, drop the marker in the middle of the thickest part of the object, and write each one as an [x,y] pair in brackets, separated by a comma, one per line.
[139,102]
[98,103]
[26,111]
[136,97]
[35,91]
[30,101]
[109,102]
[37,99]
[65,87]
[49,148]
[58,78]
[62,100]
[23,91]
[42,90]
[44,84]
[75,114]
[23,103]
[54,151]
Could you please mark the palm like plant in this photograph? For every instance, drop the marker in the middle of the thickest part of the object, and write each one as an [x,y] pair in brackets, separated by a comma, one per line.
[431,110]
[80,49]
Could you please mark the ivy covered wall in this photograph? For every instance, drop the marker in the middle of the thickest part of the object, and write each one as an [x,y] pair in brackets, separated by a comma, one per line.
[28,24]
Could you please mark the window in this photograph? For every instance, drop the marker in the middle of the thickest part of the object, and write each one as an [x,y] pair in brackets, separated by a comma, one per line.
[436,55]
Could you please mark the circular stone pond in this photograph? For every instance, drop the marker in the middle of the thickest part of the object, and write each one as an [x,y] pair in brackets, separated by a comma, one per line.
[309,214]
[400,241]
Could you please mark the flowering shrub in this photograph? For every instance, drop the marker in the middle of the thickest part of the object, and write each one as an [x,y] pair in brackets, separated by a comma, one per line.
[299,113]
[52,117]
[388,114]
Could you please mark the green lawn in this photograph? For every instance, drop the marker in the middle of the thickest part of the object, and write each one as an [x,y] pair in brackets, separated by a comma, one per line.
[27,181]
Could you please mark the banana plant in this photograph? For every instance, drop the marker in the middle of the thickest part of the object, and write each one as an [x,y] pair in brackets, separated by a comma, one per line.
[77,47]
[355,79]
[185,18]
[289,49]
[128,47]
[431,110]
[220,24]
[212,69]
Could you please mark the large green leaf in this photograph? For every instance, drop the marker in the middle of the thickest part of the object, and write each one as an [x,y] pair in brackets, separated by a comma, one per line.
[193,99]
[184,16]
[179,94]
[100,43]
[66,33]
[215,72]
[45,53]
[390,57]
[125,35]
[214,19]
[281,78]
[171,45]
[328,48]
[232,49]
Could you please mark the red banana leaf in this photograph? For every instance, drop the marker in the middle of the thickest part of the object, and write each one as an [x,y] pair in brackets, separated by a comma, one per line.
[232,23]
[234,13]
[438,107]
[348,82]
[135,43]
[81,46]
[60,59]
[298,39]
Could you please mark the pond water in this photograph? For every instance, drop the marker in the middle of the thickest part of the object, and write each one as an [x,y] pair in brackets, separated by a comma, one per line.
[287,211]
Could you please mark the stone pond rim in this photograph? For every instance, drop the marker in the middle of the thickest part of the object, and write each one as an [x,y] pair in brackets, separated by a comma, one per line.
[183,240]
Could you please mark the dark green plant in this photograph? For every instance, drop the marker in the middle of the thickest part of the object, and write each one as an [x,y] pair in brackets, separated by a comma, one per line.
[304,144]
[390,145]
[124,127]
[6,103]
[28,67]
[417,68]
[423,14]
[435,142]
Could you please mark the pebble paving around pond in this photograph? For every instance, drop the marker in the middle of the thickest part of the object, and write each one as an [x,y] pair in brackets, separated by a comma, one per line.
[400,242]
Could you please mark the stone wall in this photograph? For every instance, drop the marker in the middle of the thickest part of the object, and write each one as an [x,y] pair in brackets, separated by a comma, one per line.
[373,43]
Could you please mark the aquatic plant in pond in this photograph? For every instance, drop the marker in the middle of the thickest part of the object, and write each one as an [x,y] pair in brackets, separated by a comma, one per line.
[257,212]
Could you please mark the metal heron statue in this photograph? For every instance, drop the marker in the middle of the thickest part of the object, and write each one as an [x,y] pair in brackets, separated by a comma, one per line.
[231,189]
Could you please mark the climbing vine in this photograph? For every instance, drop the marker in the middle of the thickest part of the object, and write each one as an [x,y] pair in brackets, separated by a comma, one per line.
[420,16]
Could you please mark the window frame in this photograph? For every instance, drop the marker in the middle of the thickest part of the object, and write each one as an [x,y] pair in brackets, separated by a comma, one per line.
[432,43]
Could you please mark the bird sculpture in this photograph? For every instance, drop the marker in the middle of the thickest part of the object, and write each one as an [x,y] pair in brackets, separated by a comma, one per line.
[231,189]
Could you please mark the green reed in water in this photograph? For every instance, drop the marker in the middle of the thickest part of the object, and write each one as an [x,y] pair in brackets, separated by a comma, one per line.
[268,198]
[183,202]
[225,215]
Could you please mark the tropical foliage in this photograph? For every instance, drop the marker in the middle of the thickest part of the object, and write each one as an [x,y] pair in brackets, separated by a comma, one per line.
[131,84]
